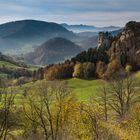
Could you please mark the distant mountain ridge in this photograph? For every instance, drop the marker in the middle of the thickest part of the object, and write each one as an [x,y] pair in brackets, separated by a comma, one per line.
[29,27]
[21,37]
[23,33]
[87,28]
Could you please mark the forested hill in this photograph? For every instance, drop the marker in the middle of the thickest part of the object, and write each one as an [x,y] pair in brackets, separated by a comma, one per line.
[25,34]
[53,51]
[114,55]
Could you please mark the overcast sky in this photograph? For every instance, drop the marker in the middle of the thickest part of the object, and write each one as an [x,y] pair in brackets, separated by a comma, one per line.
[92,12]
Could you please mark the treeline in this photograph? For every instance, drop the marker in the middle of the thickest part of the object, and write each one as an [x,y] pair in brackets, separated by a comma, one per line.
[16,72]
[81,66]
[49,111]
[89,64]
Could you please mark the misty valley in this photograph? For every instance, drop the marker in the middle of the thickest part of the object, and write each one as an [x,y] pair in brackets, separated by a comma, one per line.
[68,76]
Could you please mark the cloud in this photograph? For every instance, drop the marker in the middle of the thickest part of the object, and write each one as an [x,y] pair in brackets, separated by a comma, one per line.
[98,12]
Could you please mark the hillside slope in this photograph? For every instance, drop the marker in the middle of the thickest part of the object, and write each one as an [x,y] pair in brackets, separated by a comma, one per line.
[9,68]
[53,51]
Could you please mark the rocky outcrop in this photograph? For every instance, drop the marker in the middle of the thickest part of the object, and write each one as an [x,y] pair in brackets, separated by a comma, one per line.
[127,44]
[104,40]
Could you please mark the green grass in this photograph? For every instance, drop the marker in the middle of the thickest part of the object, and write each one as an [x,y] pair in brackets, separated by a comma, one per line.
[81,88]
[19,91]
[84,89]
[33,68]
[8,65]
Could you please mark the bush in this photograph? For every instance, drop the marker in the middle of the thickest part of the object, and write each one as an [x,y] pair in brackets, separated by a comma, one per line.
[100,69]
[85,70]
[60,71]
[128,68]
[112,68]
[78,71]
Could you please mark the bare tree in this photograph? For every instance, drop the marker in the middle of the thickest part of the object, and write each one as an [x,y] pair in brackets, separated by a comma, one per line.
[93,117]
[47,104]
[103,100]
[123,94]
[7,97]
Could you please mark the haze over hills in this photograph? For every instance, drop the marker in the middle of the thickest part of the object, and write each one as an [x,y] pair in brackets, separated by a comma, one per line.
[29,33]
[26,36]
[87,28]
[70,70]
[90,42]
[53,51]
[21,37]
[90,38]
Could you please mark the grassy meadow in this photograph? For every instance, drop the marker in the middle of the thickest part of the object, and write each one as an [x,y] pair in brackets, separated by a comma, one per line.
[84,89]
[8,65]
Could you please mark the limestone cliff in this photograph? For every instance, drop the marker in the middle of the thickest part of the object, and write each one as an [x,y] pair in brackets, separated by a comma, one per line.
[104,40]
[126,46]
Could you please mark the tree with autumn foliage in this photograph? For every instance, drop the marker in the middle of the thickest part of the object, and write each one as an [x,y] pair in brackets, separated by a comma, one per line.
[84,70]
[59,71]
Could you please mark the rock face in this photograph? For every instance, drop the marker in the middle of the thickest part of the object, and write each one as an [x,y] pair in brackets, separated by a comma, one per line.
[104,40]
[127,44]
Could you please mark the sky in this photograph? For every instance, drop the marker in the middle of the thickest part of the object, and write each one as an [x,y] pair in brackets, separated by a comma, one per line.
[90,12]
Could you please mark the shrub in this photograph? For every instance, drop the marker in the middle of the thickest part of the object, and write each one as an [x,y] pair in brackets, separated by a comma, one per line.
[78,71]
[85,70]
[112,68]
[60,71]
[128,68]
[100,69]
